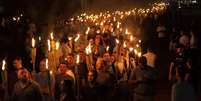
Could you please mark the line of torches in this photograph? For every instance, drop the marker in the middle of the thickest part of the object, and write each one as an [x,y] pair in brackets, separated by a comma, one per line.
[93,19]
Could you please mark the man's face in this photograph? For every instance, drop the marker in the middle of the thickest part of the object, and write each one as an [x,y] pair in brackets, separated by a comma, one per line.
[90,76]
[70,59]
[106,57]
[97,40]
[180,50]
[23,75]
[17,64]
[62,68]
[99,64]
[43,66]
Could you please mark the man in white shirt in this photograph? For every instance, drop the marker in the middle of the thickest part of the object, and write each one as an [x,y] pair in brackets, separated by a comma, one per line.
[151,58]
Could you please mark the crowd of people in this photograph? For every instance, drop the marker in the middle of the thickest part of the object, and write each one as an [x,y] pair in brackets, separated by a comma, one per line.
[104,58]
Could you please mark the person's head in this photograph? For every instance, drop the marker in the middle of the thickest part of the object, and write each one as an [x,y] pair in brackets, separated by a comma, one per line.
[106,57]
[62,68]
[91,75]
[43,65]
[179,48]
[113,57]
[91,41]
[98,40]
[17,63]
[142,61]
[23,75]
[70,58]
[82,56]
[99,64]
[150,50]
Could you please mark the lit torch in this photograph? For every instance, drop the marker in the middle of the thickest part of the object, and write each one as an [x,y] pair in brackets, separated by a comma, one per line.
[3,65]
[49,45]
[57,45]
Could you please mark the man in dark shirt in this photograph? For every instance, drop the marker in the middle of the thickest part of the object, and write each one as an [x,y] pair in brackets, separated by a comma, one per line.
[25,89]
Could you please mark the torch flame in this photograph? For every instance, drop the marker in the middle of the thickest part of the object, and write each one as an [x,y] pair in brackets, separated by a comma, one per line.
[52,35]
[117,41]
[88,49]
[131,49]
[33,42]
[78,59]
[88,29]
[57,45]
[39,38]
[70,38]
[124,45]
[107,49]
[131,38]
[49,45]
[139,54]
[46,63]
[135,51]
[77,38]
[3,65]
[126,32]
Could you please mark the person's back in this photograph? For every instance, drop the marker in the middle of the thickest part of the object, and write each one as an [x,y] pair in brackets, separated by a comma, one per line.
[151,58]
[183,91]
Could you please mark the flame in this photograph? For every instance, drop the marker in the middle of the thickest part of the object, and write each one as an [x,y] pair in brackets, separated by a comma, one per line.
[139,41]
[107,48]
[70,38]
[39,38]
[3,65]
[57,45]
[88,29]
[88,49]
[126,32]
[117,41]
[33,42]
[78,59]
[51,72]
[52,35]
[131,38]
[124,45]
[118,24]
[49,45]
[137,45]
[135,51]
[131,49]
[46,63]
[77,38]
[139,54]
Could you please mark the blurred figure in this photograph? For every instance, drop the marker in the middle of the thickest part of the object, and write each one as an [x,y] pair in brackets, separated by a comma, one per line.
[90,89]
[64,72]
[25,89]
[70,61]
[104,80]
[108,63]
[143,79]
[45,80]
[151,58]
[67,92]
[180,60]
[182,90]
[184,39]
[12,74]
